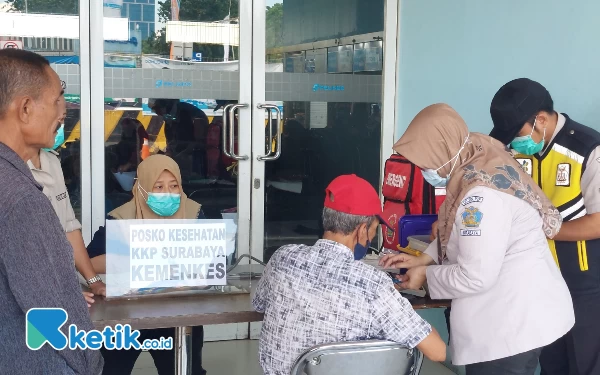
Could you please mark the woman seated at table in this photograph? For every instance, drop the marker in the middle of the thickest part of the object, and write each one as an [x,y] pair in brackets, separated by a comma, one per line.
[157,175]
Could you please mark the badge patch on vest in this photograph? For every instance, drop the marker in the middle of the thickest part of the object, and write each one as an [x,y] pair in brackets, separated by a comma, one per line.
[471,218]
[563,174]
[526,165]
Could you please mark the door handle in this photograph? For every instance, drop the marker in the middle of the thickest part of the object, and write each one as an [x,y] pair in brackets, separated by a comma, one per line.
[268,156]
[231,124]
[225,130]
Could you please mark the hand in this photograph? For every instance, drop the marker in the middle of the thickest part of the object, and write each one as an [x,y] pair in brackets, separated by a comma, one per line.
[89,298]
[98,288]
[414,278]
[404,261]
[434,230]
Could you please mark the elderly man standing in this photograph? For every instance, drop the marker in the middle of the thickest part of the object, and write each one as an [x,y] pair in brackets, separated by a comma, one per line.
[320,294]
[36,260]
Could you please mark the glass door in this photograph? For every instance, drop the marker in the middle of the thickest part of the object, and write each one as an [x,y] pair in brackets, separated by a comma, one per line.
[171,89]
[175,81]
[51,29]
[318,89]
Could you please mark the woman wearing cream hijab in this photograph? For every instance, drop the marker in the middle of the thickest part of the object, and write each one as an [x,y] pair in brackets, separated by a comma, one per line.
[157,194]
[491,257]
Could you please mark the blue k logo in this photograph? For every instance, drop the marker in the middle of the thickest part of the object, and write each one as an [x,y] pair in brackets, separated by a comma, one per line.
[43,326]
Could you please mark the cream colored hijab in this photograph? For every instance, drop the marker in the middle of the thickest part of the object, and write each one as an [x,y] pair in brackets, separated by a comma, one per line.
[435,136]
[147,173]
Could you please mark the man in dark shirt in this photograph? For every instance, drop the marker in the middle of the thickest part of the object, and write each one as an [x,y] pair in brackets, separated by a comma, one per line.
[180,121]
[37,269]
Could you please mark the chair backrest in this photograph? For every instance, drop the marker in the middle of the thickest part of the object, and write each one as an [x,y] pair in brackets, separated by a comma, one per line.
[359,358]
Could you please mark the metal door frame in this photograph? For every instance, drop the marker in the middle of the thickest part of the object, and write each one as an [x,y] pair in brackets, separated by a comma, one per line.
[92,128]
[388,110]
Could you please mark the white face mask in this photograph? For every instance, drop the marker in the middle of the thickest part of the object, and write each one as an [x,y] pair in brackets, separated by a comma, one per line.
[433,177]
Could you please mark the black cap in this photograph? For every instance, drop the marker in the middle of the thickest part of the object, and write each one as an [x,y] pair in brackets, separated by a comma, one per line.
[514,104]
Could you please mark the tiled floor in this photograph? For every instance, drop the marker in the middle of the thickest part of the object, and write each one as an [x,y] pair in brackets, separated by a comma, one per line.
[239,357]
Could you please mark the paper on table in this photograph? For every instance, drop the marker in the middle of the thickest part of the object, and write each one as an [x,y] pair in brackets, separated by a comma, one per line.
[375,263]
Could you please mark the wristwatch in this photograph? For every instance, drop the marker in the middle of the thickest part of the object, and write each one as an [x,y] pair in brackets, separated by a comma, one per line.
[94,279]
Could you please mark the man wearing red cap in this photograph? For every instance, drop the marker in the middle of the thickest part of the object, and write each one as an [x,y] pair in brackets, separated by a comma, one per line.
[319,294]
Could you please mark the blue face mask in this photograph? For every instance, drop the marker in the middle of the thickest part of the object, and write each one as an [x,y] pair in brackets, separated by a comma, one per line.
[361,250]
[433,177]
[59,139]
[526,145]
[163,204]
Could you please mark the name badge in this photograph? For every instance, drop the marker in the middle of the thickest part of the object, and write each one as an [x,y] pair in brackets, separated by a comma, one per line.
[563,174]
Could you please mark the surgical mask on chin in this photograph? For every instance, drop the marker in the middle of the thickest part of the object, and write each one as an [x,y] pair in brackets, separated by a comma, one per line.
[361,250]
[59,138]
[526,145]
[163,204]
[433,177]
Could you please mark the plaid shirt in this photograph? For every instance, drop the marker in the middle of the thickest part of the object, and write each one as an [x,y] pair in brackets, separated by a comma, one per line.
[319,294]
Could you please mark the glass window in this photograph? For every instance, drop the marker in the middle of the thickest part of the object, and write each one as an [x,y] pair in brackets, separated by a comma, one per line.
[135,12]
[148,13]
[146,33]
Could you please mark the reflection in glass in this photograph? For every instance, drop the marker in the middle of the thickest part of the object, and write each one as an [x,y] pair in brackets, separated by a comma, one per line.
[61,49]
[331,108]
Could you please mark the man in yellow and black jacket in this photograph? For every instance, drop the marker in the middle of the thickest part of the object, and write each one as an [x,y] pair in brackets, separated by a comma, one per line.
[563,157]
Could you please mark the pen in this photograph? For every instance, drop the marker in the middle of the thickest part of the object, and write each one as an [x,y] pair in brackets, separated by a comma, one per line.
[410,251]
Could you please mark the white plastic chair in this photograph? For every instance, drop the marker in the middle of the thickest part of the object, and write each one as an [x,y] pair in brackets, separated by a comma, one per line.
[359,358]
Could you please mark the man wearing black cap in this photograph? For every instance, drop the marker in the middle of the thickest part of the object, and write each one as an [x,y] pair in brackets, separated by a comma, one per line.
[563,157]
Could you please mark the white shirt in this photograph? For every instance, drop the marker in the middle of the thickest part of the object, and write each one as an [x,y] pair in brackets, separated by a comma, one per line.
[508,295]
[51,177]
[590,178]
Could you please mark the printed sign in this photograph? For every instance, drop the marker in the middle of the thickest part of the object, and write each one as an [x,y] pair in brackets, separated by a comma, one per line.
[167,254]
[171,255]
[15,44]
[373,59]
[160,83]
[318,87]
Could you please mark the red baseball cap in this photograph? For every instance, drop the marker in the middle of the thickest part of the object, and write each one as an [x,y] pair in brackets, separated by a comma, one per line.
[353,195]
